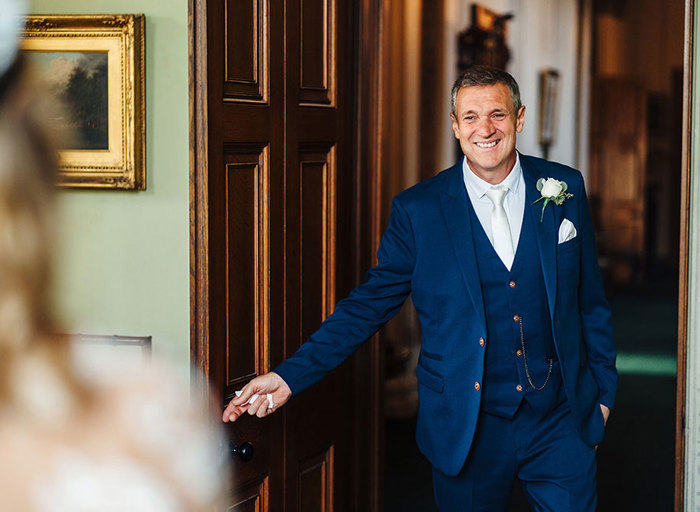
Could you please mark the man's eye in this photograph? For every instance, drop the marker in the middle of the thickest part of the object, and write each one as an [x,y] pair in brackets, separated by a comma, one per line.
[498,116]
[469,118]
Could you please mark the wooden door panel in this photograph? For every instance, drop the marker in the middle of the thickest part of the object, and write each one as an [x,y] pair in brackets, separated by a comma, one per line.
[316,477]
[620,182]
[247,263]
[255,130]
[279,172]
[315,482]
[251,487]
[319,174]
[618,171]
[317,124]
[246,39]
[246,187]
[316,236]
[317,43]
[252,497]
[245,199]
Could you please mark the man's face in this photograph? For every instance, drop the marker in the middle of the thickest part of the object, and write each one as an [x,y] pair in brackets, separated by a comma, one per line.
[485,126]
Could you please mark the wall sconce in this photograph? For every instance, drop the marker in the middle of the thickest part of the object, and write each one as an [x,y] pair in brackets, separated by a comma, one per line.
[549,98]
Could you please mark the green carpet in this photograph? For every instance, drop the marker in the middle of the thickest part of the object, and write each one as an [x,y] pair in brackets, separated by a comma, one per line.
[662,365]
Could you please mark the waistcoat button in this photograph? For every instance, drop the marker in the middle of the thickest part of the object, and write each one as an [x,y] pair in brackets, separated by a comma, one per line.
[477,386]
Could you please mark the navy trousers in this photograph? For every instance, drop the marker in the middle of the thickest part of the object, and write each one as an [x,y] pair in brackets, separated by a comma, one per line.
[556,469]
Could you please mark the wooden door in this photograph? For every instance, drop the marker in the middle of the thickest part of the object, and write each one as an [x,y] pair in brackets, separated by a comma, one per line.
[618,168]
[275,208]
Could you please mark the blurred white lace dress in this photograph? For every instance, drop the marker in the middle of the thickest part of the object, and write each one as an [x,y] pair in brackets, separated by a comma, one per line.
[143,446]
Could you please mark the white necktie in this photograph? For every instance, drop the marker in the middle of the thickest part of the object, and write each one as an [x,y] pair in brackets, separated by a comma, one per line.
[500,229]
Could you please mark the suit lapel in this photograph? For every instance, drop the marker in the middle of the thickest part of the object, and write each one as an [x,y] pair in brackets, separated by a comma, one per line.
[454,207]
[546,231]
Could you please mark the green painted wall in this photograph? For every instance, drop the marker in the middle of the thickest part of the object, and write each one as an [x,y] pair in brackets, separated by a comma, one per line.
[123,260]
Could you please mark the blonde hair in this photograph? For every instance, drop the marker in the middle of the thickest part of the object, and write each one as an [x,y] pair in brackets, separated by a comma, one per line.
[27,180]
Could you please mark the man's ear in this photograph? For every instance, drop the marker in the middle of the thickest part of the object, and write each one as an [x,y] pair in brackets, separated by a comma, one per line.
[520,119]
[455,126]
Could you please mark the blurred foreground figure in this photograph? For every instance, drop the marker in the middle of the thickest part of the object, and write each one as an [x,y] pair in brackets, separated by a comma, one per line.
[77,435]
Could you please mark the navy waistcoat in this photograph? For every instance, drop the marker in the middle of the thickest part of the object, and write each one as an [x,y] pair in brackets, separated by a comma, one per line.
[509,298]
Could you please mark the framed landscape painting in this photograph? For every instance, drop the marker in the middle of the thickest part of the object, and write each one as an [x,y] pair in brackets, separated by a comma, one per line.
[92,66]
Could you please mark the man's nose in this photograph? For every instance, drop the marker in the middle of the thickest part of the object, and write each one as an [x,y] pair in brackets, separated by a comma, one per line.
[486,127]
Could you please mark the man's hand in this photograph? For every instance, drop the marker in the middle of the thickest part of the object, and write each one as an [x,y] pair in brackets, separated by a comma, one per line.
[606,413]
[269,383]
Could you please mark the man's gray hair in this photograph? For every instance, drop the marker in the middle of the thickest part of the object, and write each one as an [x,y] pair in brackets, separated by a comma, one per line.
[485,75]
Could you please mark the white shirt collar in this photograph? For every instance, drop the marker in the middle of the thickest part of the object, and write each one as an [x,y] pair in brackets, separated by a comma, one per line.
[511,182]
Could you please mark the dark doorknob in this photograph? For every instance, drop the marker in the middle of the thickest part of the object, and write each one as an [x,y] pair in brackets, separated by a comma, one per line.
[243,451]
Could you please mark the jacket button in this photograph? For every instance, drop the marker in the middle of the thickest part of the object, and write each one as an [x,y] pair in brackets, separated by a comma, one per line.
[518,352]
[519,387]
[516,318]
[477,386]
[512,284]
[481,341]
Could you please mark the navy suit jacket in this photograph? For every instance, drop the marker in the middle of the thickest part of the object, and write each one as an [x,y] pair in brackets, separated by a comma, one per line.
[428,251]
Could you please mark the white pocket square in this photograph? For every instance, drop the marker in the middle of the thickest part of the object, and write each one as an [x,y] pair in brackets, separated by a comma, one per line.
[567,231]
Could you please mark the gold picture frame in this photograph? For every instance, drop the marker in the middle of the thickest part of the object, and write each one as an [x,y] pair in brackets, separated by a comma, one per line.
[96,64]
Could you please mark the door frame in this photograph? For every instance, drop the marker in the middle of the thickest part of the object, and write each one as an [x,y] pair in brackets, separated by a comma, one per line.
[199,181]
[366,146]
[688,362]
[684,459]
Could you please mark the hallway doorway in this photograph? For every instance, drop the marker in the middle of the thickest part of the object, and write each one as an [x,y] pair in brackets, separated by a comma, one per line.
[629,88]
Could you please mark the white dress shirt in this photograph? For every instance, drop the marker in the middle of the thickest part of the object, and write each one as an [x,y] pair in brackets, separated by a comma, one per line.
[513,202]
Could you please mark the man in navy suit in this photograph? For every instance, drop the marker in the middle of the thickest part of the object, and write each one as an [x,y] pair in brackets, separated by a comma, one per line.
[516,373]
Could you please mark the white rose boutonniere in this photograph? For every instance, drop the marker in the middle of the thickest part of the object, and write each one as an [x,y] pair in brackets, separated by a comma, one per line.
[552,190]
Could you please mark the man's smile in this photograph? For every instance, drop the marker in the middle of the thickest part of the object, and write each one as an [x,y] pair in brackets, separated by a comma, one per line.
[487,145]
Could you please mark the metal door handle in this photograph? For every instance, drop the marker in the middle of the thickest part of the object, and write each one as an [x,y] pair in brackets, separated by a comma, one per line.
[244,451]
